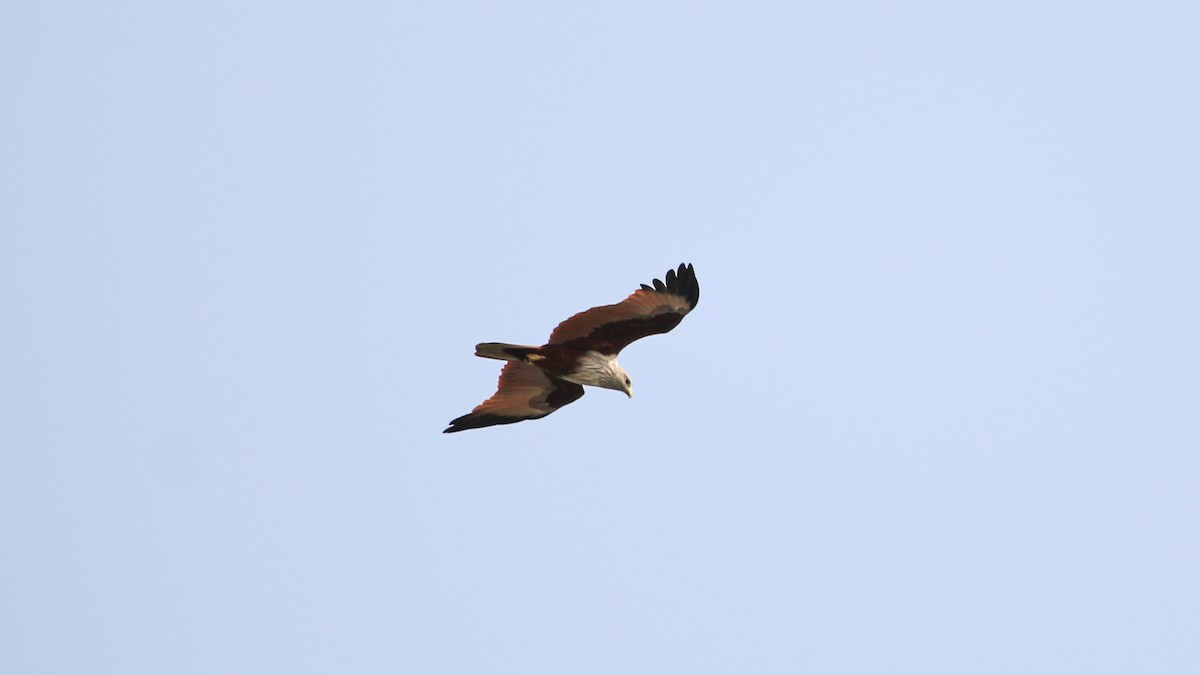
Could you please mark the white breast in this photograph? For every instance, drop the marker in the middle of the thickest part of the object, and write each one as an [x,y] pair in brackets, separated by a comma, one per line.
[596,369]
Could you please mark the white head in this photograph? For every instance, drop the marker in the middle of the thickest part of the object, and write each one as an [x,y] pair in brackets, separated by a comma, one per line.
[618,379]
[601,370]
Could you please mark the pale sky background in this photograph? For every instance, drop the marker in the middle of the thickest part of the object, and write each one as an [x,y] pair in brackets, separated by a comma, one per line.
[938,410]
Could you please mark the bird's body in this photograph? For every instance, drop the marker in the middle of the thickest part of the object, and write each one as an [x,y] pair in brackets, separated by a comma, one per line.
[581,366]
[582,350]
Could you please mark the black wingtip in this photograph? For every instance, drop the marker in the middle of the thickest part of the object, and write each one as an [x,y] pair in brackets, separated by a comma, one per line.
[680,281]
[481,420]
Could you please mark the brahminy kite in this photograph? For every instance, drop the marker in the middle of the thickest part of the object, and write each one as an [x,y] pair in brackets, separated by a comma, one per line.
[536,381]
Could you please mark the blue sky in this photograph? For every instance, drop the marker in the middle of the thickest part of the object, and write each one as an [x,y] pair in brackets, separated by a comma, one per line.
[936,411]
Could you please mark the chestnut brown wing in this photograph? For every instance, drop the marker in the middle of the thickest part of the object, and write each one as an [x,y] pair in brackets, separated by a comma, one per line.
[648,311]
[525,392]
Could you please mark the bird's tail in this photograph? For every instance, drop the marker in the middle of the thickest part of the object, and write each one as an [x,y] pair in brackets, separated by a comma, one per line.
[504,352]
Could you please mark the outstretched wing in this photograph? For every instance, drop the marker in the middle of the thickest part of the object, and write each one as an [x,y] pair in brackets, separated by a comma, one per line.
[649,311]
[525,393]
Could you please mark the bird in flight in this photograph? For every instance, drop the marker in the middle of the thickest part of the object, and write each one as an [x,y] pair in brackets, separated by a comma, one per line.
[536,381]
